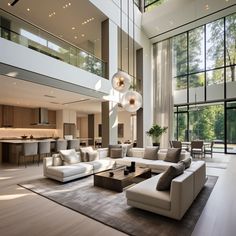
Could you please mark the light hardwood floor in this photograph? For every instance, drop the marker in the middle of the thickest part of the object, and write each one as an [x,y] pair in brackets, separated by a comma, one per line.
[25,213]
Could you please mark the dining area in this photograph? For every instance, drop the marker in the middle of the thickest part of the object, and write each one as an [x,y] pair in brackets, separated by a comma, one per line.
[197,148]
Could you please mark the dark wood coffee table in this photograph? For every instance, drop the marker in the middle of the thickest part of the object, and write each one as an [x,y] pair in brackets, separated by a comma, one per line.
[119,181]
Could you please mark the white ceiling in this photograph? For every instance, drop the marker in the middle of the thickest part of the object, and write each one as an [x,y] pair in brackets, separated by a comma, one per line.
[64,19]
[26,94]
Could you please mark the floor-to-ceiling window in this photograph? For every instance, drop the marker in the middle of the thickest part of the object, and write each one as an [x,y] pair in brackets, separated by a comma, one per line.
[204,86]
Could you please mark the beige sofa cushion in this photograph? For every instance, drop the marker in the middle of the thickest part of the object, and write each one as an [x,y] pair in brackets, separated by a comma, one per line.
[70,170]
[150,153]
[173,155]
[91,155]
[165,180]
[146,193]
[69,157]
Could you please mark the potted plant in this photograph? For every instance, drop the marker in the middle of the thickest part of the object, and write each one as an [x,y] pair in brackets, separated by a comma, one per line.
[155,132]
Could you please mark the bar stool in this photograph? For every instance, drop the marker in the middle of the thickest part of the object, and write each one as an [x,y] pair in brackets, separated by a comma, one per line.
[74,144]
[61,144]
[44,149]
[29,149]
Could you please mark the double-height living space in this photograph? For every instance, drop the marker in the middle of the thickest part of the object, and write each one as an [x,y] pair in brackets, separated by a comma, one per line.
[117,117]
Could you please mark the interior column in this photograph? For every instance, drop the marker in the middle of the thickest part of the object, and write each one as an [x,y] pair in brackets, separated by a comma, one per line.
[109,123]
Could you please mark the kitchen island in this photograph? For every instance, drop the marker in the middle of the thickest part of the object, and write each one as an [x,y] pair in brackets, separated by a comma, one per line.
[11,149]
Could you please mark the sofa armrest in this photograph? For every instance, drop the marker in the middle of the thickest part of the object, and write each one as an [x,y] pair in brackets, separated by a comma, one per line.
[181,194]
[47,161]
[102,152]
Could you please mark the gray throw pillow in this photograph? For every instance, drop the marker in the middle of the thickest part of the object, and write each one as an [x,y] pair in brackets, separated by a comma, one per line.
[113,146]
[151,153]
[126,148]
[173,155]
[117,152]
[164,181]
[187,162]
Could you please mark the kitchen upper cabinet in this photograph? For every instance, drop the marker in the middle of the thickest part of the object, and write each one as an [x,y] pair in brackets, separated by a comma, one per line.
[7,116]
[22,117]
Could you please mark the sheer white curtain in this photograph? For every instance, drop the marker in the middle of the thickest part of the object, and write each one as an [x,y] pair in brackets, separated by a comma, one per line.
[163,99]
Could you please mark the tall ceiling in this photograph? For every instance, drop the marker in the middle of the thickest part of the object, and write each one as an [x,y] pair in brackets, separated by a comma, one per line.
[75,21]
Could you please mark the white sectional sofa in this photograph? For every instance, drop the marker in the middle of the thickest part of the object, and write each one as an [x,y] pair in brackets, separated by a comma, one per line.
[137,154]
[172,203]
[64,173]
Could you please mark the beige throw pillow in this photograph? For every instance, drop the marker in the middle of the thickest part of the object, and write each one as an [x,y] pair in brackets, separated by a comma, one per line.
[164,181]
[91,155]
[83,153]
[173,155]
[151,153]
[56,160]
[69,156]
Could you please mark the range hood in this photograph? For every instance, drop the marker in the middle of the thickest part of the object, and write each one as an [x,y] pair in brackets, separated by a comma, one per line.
[40,116]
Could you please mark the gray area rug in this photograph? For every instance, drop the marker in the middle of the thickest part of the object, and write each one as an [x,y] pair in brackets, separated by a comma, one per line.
[111,209]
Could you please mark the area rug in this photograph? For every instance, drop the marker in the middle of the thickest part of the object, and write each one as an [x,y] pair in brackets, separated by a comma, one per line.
[111,209]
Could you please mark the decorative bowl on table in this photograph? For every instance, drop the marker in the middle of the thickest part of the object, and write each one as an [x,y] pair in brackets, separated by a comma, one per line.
[24,136]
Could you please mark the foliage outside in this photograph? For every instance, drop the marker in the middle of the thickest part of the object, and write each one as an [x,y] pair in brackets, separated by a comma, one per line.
[156,131]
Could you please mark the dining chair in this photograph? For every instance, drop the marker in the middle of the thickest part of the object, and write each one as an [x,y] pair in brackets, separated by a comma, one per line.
[61,144]
[30,149]
[176,144]
[74,144]
[44,148]
[197,148]
[208,149]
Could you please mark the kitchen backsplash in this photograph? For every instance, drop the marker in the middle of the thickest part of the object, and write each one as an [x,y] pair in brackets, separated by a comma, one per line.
[17,133]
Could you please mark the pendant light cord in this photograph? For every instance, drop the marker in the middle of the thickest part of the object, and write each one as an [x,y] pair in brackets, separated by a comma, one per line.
[121,35]
[133,48]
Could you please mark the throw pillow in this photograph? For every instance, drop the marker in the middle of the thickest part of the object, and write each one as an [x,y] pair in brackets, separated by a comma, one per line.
[173,155]
[117,152]
[113,146]
[91,155]
[56,160]
[126,148]
[151,153]
[187,162]
[164,181]
[69,156]
[83,154]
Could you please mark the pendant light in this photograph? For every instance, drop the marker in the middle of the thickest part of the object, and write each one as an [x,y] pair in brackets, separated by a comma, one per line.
[131,100]
[121,80]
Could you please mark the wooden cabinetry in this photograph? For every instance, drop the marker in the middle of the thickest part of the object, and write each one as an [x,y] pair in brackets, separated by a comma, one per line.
[22,117]
[7,116]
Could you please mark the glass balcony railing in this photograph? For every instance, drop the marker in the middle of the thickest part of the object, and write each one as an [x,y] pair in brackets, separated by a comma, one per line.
[21,32]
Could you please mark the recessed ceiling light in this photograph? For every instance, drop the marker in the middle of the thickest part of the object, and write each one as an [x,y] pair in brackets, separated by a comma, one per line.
[14,83]
[206,7]
[82,35]
[9,4]
[75,37]
[28,9]
[73,28]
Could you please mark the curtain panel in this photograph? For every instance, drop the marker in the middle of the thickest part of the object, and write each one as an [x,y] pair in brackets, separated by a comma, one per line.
[162,81]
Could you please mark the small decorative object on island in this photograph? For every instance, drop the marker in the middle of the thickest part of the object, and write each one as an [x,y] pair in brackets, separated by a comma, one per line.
[155,132]
[126,171]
